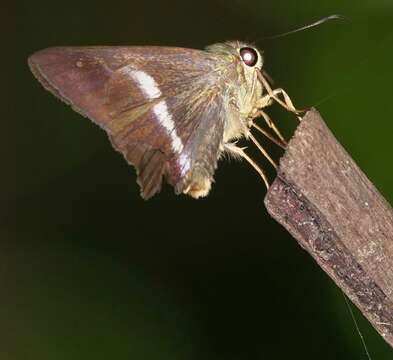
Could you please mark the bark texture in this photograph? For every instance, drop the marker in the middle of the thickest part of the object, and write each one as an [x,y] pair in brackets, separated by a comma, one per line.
[336,214]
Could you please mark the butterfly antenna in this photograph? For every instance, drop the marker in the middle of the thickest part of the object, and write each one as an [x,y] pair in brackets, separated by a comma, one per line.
[316,23]
[356,326]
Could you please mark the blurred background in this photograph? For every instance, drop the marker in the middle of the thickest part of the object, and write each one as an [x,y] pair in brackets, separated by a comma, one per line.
[91,271]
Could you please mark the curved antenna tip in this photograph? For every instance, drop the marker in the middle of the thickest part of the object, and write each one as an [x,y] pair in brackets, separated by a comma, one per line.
[315,23]
[335,17]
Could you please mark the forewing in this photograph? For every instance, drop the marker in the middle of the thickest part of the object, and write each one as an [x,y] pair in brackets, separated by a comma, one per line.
[150,100]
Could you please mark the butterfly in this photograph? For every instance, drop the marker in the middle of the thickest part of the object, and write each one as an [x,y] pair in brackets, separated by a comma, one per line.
[172,112]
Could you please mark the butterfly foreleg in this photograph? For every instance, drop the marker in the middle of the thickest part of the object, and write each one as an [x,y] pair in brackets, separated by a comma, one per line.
[265,100]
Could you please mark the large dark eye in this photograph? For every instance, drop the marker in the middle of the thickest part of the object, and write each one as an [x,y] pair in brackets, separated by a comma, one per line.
[249,56]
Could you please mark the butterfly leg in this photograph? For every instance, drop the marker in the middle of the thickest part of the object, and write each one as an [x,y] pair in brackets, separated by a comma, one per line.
[272,94]
[270,123]
[280,143]
[287,104]
[232,148]
[261,149]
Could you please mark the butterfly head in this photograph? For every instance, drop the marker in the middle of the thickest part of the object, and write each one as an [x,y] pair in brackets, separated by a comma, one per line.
[249,56]
[239,63]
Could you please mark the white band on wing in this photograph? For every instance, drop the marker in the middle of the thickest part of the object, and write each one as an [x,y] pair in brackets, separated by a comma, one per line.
[150,89]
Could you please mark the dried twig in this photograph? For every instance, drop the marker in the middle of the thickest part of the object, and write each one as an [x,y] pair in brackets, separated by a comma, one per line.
[325,201]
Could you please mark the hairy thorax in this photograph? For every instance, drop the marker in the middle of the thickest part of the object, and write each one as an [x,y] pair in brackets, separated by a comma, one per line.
[241,106]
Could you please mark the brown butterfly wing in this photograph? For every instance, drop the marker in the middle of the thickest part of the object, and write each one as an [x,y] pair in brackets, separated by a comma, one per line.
[150,101]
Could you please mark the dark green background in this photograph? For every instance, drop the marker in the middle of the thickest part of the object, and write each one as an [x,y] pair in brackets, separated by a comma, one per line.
[88,270]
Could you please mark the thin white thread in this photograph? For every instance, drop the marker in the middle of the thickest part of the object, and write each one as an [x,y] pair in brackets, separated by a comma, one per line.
[356,325]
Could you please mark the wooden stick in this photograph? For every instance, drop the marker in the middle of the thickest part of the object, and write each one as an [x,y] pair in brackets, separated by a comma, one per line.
[335,213]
